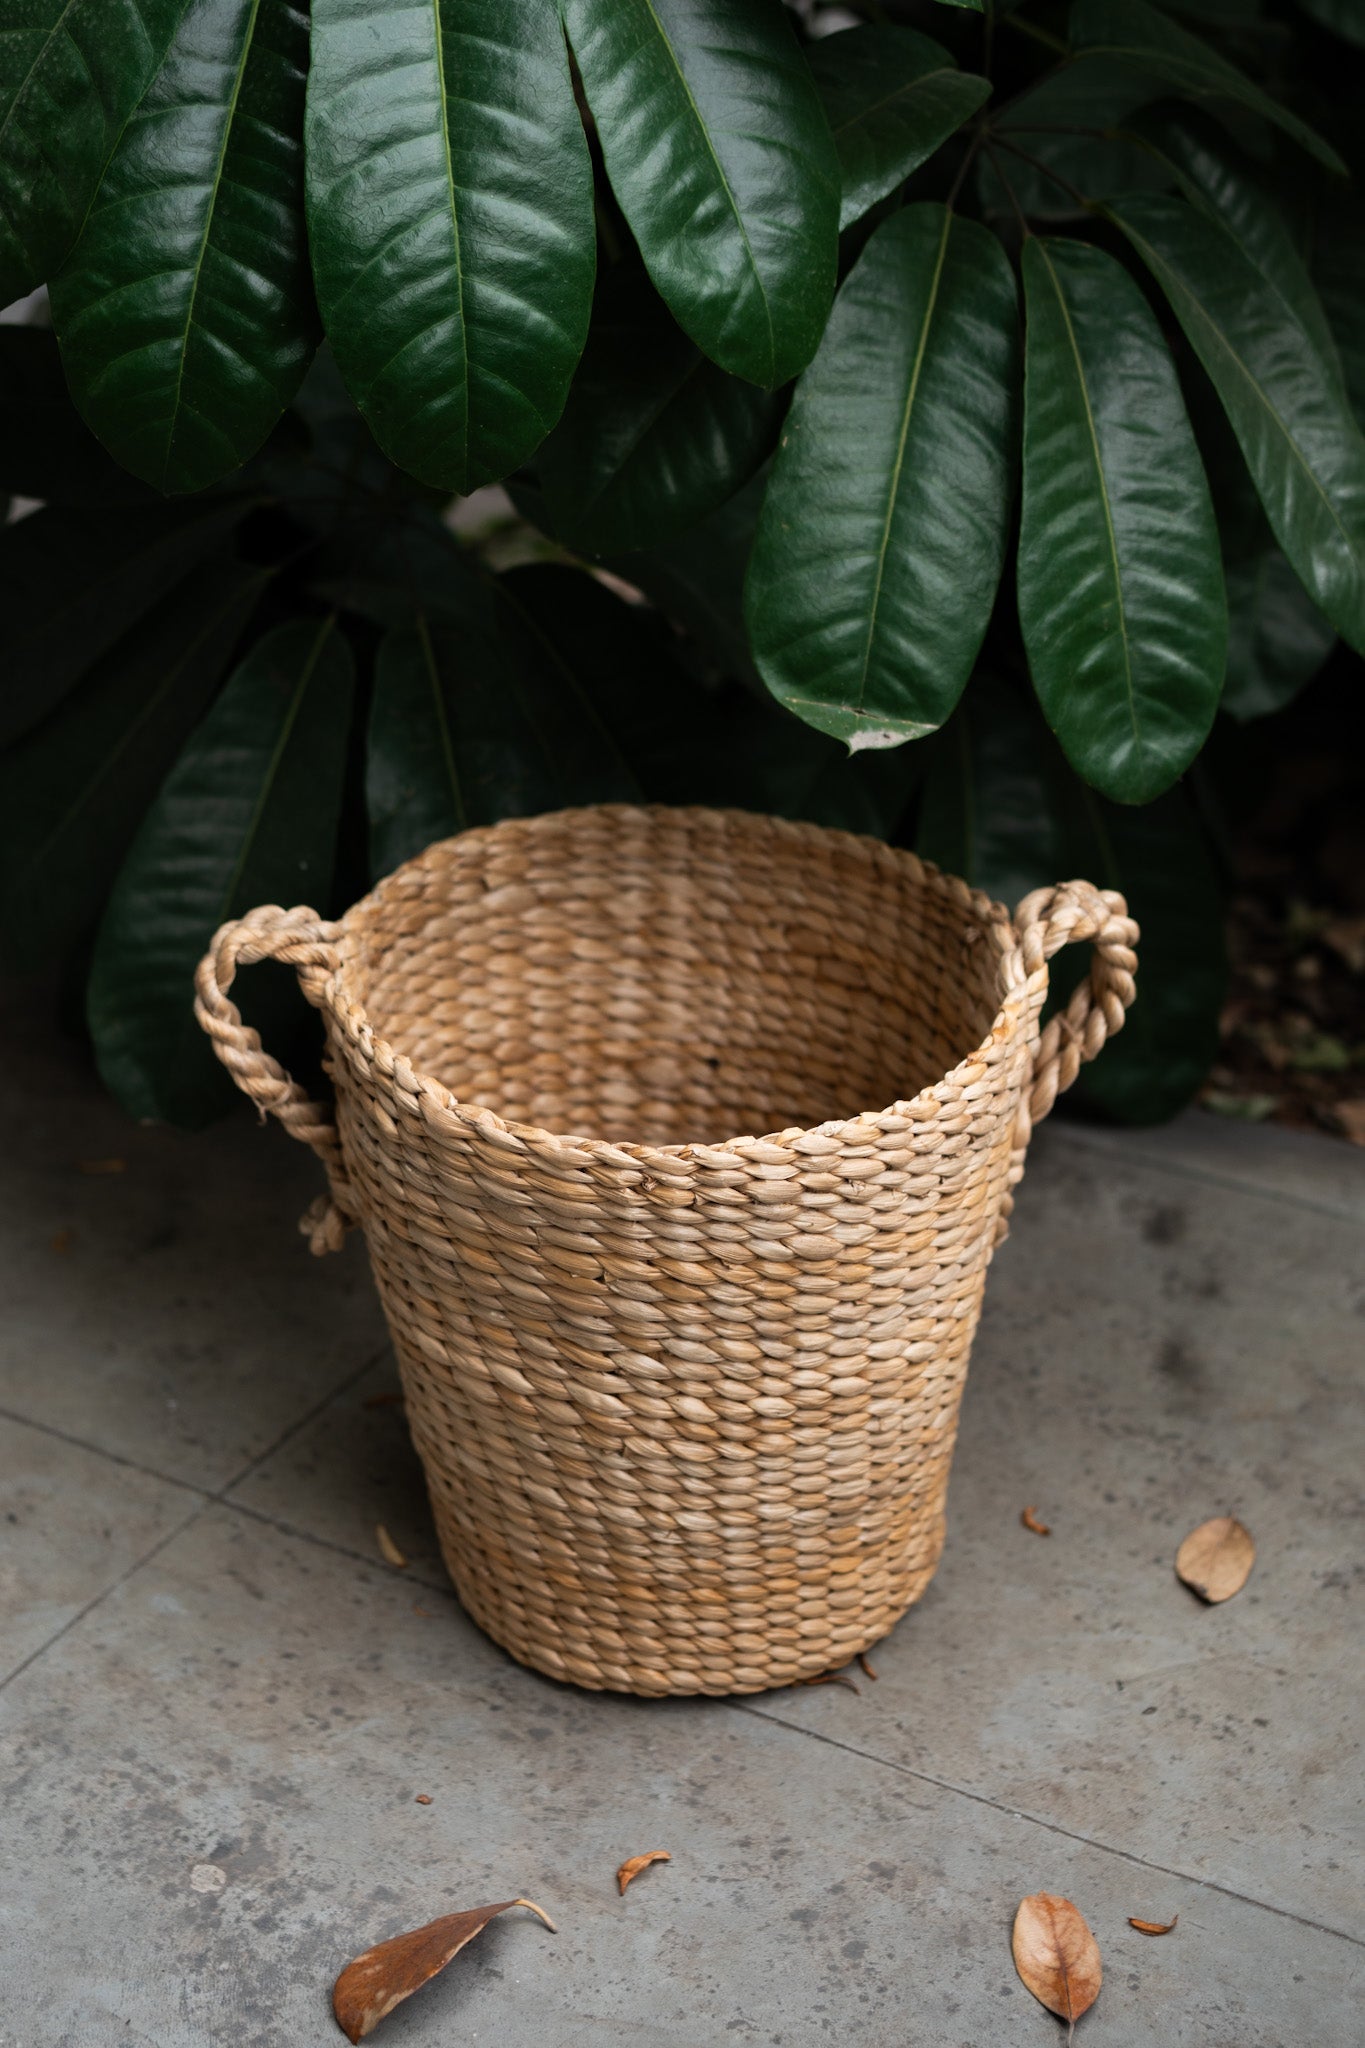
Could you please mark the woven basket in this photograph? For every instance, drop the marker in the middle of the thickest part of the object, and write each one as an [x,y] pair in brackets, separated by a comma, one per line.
[686,1400]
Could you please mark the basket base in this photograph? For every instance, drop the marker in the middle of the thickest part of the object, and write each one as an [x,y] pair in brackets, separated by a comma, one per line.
[716,1659]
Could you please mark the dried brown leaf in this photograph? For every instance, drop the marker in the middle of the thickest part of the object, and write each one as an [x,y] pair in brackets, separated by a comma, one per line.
[422,1798]
[830,1678]
[101,1166]
[1056,1955]
[1350,1118]
[866,1666]
[1152,1926]
[1029,1518]
[389,1399]
[1215,1559]
[388,1549]
[633,1865]
[369,1988]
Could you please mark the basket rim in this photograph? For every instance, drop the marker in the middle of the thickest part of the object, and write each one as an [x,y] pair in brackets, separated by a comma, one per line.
[992,919]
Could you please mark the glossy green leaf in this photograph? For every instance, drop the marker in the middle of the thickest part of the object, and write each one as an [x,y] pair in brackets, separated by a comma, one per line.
[247,815]
[46,449]
[1002,809]
[1304,451]
[987,812]
[1120,584]
[450,211]
[1069,123]
[72,581]
[1278,640]
[1221,182]
[1159,857]
[884,524]
[185,311]
[697,580]
[1339,273]
[72,792]
[892,96]
[71,72]
[655,436]
[719,153]
[1344,17]
[1132,32]
[478,719]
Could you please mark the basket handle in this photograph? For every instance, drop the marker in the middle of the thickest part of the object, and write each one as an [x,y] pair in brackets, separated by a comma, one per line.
[1045,922]
[306,942]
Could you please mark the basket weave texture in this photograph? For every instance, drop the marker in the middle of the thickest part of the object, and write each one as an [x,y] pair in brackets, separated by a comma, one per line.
[685,1399]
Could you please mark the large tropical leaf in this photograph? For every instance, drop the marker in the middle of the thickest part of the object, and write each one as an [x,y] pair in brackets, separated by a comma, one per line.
[1068,126]
[987,811]
[883,528]
[71,72]
[655,436]
[891,96]
[72,792]
[185,311]
[1339,272]
[1278,640]
[1120,584]
[1131,32]
[1304,451]
[46,449]
[450,211]
[1346,17]
[1225,185]
[697,580]
[72,581]
[247,815]
[1001,808]
[478,717]
[719,153]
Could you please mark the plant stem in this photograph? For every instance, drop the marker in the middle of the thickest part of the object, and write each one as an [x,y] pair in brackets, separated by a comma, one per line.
[1024,229]
[979,135]
[1086,205]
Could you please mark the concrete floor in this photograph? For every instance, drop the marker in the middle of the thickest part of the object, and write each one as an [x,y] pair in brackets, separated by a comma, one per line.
[220,1703]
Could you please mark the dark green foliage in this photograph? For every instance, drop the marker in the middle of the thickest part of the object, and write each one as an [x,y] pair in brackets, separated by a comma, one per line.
[739,319]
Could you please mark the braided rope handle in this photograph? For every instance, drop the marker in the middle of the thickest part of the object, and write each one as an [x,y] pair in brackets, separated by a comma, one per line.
[1045,922]
[307,943]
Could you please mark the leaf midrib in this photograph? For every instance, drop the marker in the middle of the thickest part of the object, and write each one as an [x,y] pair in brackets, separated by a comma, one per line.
[206,238]
[461,324]
[1157,263]
[901,92]
[724,181]
[893,489]
[1104,493]
[273,765]
[442,722]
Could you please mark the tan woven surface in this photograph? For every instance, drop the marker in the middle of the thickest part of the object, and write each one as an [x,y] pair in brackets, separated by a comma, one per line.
[685,1398]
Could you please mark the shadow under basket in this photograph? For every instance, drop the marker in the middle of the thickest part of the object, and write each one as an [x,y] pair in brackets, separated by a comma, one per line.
[685,1399]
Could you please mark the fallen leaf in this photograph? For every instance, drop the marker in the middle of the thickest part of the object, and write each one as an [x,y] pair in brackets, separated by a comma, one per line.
[1351,1117]
[423,1799]
[1029,1518]
[388,1549]
[831,1678]
[369,1988]
[866,1666]
[1056,1956]
[389,1399]
[1215,1559]
[62,1241]
[101,1165]
[633,1865]
[1152,1926]
[425,1612]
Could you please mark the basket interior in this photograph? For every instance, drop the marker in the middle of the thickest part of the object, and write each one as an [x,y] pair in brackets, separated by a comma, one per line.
[671,977]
